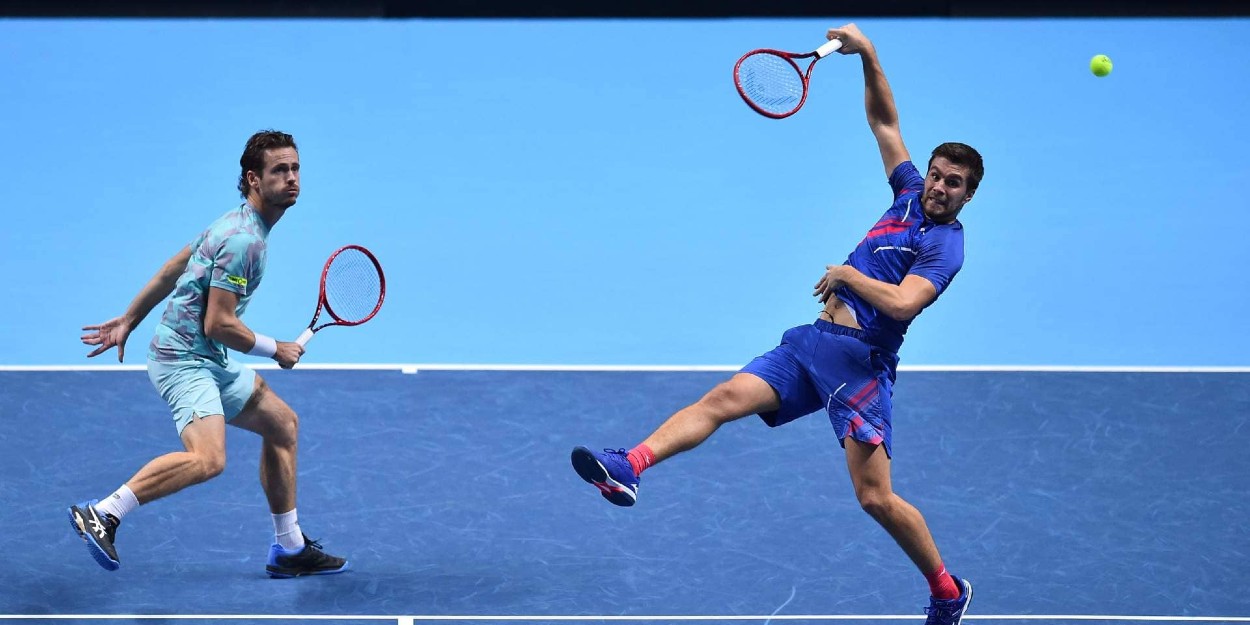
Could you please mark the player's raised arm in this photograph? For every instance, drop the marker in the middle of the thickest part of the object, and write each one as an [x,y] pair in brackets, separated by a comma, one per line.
[878,98]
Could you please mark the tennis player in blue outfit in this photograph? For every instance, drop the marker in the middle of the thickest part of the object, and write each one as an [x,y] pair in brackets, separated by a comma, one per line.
[845,361]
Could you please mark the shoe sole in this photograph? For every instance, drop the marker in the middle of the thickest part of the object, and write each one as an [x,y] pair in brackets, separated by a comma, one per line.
[590,469]
[281,575]
[96,552]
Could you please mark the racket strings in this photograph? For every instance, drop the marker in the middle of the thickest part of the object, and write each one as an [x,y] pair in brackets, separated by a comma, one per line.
[353,286]
[771,82]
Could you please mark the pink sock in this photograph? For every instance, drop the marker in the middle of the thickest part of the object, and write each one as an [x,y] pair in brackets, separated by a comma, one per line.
[640,458]
[942,585]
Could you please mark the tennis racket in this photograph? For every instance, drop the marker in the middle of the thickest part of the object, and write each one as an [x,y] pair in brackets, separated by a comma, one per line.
[771,83]
[352,290]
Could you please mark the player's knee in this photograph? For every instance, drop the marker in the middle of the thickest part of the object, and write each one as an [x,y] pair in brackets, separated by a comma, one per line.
[285,431]
[725,401]
[278,423]
[875,501]
[211,464]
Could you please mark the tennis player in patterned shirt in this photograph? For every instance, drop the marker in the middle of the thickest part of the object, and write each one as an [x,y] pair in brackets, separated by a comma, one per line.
[211,282]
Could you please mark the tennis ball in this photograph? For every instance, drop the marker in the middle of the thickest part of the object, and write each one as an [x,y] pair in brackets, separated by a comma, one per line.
[1100,65]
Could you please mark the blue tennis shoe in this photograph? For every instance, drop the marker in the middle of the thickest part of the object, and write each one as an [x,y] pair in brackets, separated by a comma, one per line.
[610,472]
[98,531]
[950,611]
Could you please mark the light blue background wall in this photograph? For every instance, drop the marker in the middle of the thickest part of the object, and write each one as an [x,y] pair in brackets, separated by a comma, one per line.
[594,192]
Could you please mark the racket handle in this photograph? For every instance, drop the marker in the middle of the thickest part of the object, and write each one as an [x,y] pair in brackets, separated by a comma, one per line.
[828,48]
[304,337]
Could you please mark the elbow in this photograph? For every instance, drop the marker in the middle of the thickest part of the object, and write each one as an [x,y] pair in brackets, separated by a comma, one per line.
[173,269]
[215,327]
[900,315]
[903,311]
[883,122]
[211,328]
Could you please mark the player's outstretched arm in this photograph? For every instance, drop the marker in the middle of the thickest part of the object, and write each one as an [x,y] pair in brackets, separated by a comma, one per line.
[878,98]
[115,331]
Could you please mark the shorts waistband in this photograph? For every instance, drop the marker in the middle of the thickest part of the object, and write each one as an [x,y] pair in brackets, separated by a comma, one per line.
[833,328]
[885,358]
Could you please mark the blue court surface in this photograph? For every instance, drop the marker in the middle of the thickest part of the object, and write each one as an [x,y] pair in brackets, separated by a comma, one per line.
[1063,495]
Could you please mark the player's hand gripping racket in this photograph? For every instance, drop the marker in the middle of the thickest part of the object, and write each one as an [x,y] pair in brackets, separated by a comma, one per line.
[772,83]
[352,290]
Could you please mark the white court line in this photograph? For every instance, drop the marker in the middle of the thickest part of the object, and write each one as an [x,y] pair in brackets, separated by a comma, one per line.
[416,367]
[410,620]
[839,617]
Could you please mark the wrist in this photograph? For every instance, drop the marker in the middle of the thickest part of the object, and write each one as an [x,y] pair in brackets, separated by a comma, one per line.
[847,275]
[265,346]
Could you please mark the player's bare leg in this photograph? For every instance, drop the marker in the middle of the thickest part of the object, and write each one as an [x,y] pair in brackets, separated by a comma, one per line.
[292,553]
[616,472]
[204,459]
[869,467]
[743,395]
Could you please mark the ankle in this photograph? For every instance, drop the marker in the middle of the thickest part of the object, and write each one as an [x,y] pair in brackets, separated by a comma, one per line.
[118,504]
[640,458]
[287,532]
[942,585]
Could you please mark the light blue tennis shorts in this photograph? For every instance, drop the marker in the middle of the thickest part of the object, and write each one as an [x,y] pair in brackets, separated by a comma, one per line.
[200,388]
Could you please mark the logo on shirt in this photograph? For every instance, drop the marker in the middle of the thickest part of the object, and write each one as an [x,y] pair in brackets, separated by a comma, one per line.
[237,280]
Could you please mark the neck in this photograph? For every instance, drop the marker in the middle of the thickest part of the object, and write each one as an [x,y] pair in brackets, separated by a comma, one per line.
[268,212]
[942,220]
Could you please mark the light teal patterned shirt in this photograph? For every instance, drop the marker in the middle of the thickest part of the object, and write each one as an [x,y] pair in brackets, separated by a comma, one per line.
[229,255]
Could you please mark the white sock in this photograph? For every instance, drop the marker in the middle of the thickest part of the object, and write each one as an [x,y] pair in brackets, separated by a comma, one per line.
[286,531]
[120,503]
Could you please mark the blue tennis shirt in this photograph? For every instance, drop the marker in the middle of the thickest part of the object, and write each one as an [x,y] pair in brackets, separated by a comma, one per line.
[904,241]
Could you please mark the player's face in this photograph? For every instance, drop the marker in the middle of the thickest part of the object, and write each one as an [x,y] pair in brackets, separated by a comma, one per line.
[945,190]
[279,183]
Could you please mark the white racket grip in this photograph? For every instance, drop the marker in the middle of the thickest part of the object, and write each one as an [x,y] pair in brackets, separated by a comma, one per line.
[304,337]
[828,48]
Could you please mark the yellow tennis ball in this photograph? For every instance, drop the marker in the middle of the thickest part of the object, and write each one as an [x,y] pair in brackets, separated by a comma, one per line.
[1100,65]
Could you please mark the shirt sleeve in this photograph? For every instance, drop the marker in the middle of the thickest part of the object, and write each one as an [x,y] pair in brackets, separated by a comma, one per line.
[906,178]
[941,257]
[236,263]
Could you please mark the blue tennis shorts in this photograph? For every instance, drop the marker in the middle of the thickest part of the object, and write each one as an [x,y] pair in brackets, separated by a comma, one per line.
[200,388]
[831,366]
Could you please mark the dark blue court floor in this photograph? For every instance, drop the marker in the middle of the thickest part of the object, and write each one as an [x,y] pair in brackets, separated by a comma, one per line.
[451,494]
